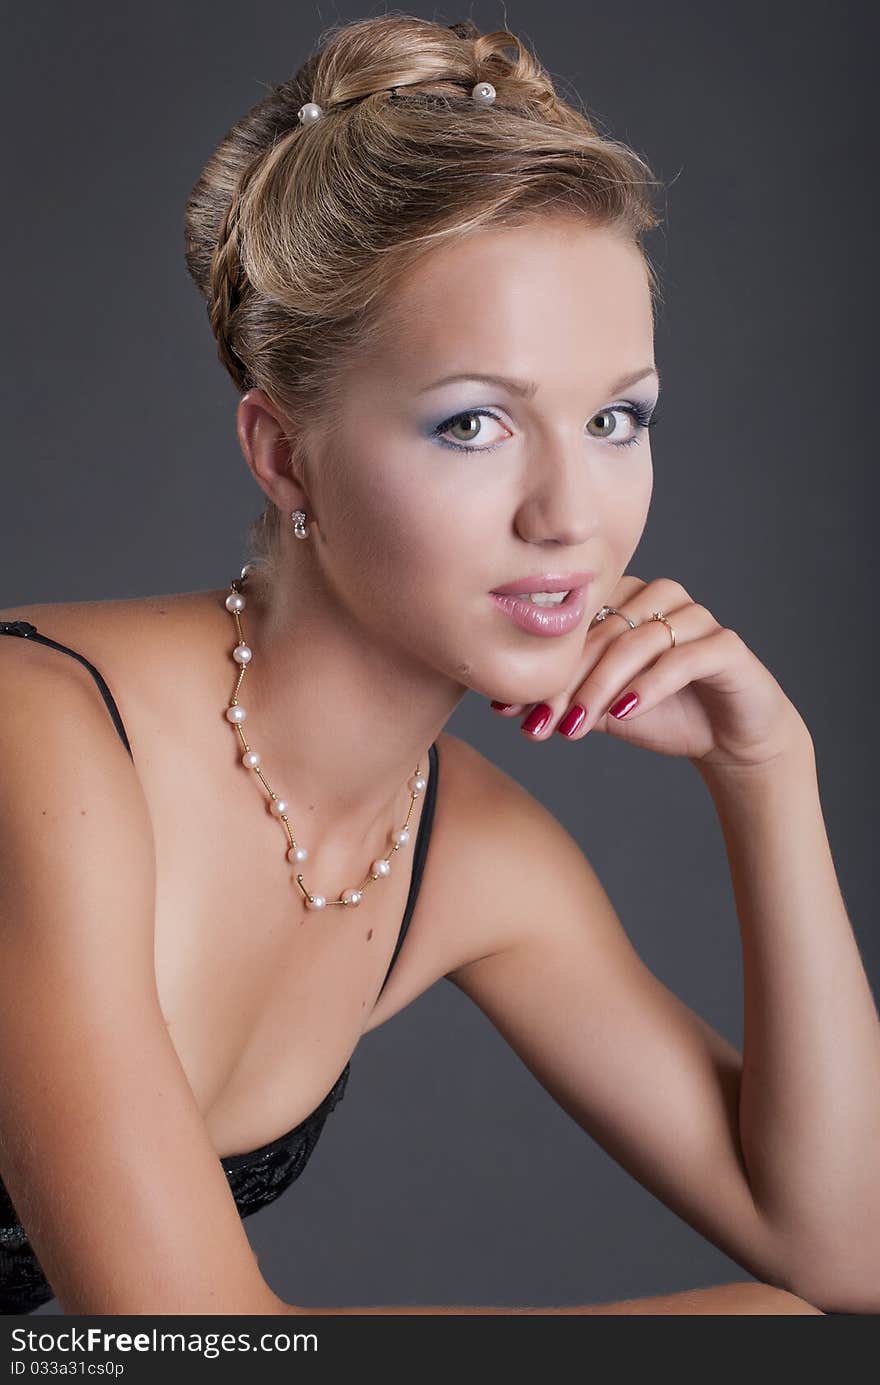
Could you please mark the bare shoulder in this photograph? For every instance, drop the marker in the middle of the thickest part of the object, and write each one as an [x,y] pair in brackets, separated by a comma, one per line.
[60,749]
[480,786]
[106,619]
[60,690]
[125,639]
[93,628]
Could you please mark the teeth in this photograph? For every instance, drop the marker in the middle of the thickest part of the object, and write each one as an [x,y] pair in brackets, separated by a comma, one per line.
[547,598]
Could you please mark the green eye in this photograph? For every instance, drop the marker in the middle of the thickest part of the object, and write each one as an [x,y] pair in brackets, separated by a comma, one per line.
[468,421]
[641,414]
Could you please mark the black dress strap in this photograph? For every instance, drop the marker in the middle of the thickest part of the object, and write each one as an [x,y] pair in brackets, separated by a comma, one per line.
[30,632]
[419,854]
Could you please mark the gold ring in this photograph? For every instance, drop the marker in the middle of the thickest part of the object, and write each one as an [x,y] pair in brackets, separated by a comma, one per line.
[658,615]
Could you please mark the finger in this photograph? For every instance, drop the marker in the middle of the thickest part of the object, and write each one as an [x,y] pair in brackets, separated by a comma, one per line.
[542,718]
[629,658]
[569,711]
[674,670]
[510,709]
[662,594]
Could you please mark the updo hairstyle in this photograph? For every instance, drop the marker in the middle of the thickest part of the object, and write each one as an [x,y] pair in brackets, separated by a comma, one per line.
[297,233]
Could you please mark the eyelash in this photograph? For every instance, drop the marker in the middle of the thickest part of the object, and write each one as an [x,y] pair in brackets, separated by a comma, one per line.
[640,412]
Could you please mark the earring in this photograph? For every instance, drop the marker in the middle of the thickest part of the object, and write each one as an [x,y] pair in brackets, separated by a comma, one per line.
[300,528]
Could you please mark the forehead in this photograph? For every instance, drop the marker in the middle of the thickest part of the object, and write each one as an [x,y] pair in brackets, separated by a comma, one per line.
[524,299]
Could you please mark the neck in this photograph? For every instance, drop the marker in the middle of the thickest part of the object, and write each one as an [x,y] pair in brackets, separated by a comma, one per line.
[340,721]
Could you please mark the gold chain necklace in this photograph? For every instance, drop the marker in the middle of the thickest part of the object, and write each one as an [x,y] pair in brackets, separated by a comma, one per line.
[296,853]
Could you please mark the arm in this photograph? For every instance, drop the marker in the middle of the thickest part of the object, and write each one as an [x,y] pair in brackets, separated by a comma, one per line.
[103,1149]
[746,1298]
[657,1087]
[809,1105]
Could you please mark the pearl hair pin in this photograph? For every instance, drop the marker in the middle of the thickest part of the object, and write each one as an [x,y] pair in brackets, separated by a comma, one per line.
[483,94]
[296,853]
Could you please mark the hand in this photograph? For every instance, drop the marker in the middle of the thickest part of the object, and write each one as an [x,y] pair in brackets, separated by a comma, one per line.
[708,698]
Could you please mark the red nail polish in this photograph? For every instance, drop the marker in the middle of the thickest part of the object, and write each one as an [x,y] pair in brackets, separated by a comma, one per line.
[501,706]
[623,705]
[572,719]
[537,718]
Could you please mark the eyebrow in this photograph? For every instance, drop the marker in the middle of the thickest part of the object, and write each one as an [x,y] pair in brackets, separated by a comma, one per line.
[528,388]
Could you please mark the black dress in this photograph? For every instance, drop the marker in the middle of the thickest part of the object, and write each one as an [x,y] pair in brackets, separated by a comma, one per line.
[255,1178]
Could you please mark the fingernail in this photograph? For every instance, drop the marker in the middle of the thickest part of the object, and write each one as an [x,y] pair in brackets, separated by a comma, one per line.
[572,719]
[537,718]
[501,706]
[623,705]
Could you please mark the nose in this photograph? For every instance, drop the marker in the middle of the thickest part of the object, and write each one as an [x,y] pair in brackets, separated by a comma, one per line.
[556,507]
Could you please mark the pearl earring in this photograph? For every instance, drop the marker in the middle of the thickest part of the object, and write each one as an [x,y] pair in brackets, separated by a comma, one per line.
[300,528]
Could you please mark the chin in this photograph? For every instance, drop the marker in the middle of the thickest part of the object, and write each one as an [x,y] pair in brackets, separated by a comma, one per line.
[546,675]
[482,660]
[502,688]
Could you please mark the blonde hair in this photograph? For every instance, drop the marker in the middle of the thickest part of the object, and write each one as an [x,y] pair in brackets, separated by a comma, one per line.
[296,235]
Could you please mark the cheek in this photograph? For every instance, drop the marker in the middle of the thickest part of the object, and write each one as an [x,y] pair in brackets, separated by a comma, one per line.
[395,527]
[626,501]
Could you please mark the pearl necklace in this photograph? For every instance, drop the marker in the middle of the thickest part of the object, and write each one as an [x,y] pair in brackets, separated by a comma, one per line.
[235,713]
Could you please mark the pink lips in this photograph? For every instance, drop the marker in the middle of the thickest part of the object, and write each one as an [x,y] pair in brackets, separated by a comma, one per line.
[545,620]
[545,582]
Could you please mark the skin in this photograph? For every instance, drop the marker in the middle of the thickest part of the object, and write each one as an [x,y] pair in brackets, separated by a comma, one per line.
[741,1298]
[381,621]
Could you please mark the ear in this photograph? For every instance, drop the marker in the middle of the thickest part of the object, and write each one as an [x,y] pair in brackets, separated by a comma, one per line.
[265,442]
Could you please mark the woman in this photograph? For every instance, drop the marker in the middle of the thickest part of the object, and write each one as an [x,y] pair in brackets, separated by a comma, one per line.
[425,274]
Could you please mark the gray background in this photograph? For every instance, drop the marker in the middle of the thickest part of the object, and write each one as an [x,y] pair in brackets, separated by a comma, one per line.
[448,1175]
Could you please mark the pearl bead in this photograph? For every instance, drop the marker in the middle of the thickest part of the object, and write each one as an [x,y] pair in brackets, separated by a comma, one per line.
[381,867]
[417,784]
[309,113]
[400,836]
[483,93]
[235,602]
[316,901]
[236,714]
[242,653]
[352,896]
[297,853]
[279,807]
[251,759]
